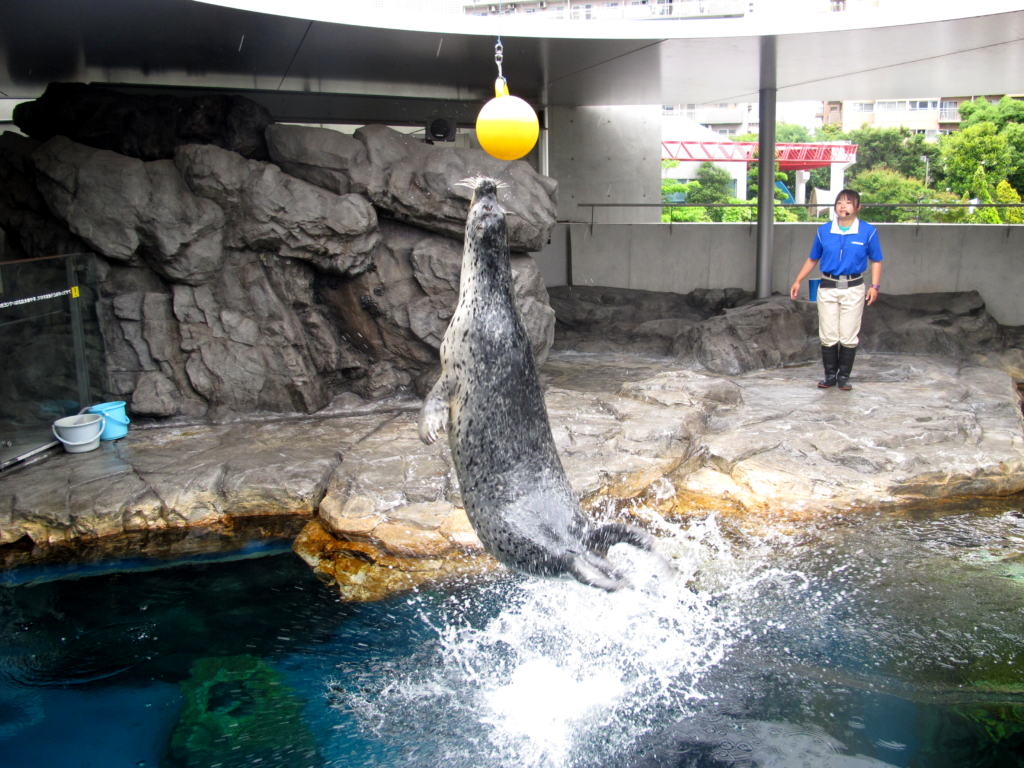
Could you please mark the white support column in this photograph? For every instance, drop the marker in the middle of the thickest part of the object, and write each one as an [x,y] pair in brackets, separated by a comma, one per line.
[802,177]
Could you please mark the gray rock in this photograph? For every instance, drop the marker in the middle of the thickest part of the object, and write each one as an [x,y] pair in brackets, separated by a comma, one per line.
[320,156]
[417,183]
[953,324]
[271,211]
[246,350]
[727,332]
[155,395]
[141,126]
[764,334]
[397,313]
[131,211]
[29,226]
[597,319]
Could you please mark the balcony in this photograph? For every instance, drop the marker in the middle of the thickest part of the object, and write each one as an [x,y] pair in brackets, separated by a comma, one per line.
[949,115]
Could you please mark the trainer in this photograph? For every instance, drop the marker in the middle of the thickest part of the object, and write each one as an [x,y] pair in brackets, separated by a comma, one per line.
[842,248]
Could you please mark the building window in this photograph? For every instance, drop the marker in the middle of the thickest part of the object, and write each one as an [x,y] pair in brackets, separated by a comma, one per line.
[865,107]
[923,106]
[949,110]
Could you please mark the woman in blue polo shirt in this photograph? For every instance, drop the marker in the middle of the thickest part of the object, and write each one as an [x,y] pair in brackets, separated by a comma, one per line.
[842,248]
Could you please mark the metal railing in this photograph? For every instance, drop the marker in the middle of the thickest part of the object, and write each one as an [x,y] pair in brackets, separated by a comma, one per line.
[825,207]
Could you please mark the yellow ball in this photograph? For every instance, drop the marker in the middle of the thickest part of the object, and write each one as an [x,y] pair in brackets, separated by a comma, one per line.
[507,127]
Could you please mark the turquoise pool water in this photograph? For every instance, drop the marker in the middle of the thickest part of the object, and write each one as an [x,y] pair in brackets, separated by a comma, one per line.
[867,641]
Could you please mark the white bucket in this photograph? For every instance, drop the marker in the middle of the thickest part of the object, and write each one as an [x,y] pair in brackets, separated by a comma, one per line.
[79,433]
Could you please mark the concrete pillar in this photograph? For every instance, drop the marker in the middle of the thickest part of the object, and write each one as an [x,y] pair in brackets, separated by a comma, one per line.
[766,168]
[802,177]
[838,177]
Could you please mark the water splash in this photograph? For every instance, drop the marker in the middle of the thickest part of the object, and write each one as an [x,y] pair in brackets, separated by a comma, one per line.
[557,670]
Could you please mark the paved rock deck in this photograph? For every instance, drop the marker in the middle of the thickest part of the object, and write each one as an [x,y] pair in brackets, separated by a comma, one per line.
[634,434]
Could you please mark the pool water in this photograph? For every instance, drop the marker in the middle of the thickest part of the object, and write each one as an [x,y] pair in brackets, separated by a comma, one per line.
[867,641]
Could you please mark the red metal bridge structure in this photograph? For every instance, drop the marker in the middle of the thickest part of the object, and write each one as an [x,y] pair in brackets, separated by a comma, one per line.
[790,157]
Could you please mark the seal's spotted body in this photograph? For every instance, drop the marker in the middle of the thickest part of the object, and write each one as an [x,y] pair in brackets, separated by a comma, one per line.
[490,400]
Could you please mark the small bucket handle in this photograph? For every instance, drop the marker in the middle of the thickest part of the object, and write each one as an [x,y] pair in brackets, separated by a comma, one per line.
[103,423]
[116,420]
[103,412]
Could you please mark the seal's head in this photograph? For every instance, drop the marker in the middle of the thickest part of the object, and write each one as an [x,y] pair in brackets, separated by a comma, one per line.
[486,215]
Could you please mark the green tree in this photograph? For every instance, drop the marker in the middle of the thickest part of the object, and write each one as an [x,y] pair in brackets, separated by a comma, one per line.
[832,132]
[685,215]
[977,111]
[1007,111]
[1014,135]
[790,133]
[1005,193]
[670,187]
[980,188]
[715,185]
[895,148]
[715,188]
[886,186]
[785,133]
[965,151]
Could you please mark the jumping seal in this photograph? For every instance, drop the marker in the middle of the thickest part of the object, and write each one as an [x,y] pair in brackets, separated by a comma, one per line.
[489,399]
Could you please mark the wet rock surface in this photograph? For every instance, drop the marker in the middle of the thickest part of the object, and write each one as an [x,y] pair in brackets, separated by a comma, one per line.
[638,437]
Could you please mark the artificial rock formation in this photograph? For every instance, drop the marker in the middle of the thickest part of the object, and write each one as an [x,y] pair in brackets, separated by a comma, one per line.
[144,127]
[230,285]
[416,183]
[729,332]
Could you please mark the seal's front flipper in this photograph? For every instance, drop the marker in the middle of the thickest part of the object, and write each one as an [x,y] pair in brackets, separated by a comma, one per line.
[434,414]
[590,571]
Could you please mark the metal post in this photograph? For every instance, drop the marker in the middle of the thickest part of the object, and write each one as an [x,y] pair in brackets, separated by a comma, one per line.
[766,168]
[78,334]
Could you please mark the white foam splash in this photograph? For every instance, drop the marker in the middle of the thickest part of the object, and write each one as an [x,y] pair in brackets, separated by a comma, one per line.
[563,669]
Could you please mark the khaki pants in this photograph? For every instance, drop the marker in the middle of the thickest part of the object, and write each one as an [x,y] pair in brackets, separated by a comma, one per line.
[839,314]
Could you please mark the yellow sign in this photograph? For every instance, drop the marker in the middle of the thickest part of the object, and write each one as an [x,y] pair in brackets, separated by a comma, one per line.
[74,291]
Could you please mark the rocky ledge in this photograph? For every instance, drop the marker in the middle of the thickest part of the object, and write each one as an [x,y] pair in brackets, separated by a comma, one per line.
[640,438]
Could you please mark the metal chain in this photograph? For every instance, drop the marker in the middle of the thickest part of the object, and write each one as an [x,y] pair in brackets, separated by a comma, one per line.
[498,56]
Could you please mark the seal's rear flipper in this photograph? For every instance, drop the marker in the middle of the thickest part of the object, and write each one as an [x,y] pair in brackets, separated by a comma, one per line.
[587,571]
[604,537]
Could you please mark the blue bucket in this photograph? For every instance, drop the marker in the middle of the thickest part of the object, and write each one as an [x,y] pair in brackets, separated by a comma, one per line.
[812,287]
[117,420]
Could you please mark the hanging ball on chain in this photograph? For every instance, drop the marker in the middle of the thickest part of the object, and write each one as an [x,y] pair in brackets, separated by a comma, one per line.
[507,126]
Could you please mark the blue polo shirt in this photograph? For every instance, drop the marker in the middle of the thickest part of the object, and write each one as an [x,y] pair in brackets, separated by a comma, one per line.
[839,253]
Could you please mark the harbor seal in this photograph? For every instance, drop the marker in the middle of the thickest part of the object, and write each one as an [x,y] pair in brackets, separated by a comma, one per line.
[489,399]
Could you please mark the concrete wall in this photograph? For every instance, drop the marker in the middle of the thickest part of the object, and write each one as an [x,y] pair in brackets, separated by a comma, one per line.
[678,258]
[553,261]
[606,155]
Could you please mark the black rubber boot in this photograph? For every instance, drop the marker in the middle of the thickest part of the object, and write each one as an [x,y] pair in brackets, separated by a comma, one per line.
[846,355]
[830,359]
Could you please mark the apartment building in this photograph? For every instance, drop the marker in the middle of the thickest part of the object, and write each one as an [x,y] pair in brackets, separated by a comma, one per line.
[930,116]
[724,119]
[611,10]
